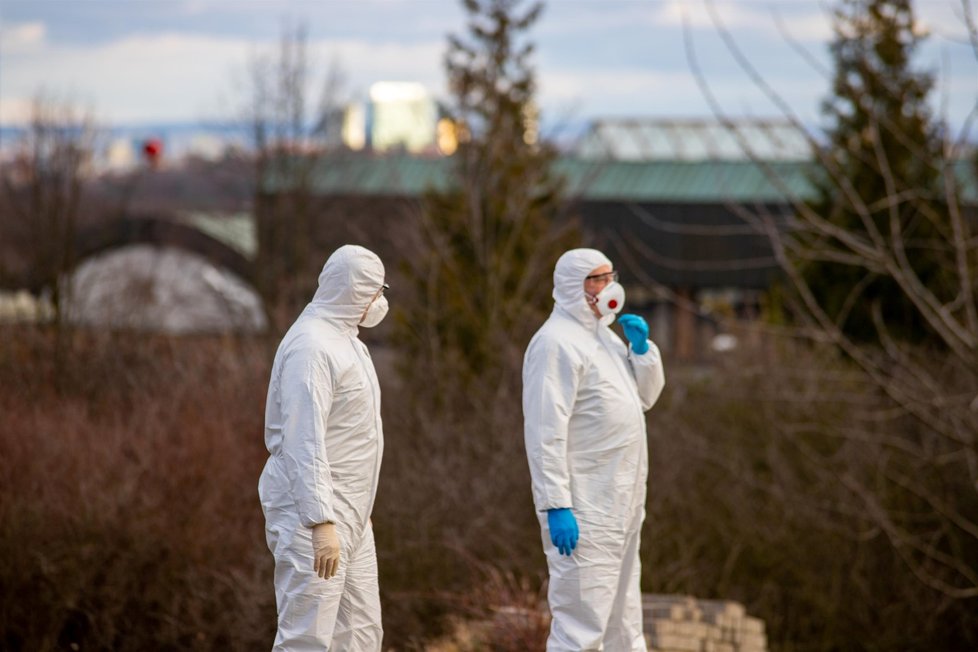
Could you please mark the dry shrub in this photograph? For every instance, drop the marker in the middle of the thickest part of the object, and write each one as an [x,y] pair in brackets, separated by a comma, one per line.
[454,487]
[503,611]
[752,461]
[129,517]
[519,617]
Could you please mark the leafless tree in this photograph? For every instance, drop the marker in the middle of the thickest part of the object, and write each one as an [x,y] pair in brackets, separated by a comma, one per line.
[289,138]
[910,467]
[43,194]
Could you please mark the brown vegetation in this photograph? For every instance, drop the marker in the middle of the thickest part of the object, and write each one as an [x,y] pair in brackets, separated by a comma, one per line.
[129,516]
[128,508]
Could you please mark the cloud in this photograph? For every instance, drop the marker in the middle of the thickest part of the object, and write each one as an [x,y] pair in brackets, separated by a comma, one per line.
[638,93]
[573,19]
[943,21]
[802,21]
[136,78]
[22,37]
[624,88]
[192,7]
[609,57]
[811,27]
[16,111]
[806,20]
[175,76]
[366,62]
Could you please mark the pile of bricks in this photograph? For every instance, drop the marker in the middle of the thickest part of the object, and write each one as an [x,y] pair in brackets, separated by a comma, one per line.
[676,623]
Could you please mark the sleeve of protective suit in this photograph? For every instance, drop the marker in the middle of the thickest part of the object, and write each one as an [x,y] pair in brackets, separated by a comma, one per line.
[306,397]
[550,380]
[649,374]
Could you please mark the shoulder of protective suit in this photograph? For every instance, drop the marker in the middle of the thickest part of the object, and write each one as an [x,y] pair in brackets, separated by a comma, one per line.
[560,336]
[321,329]
[569,328]
[312,339]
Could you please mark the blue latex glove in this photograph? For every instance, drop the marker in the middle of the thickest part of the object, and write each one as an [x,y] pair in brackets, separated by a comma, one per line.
[563,529]
[637,332]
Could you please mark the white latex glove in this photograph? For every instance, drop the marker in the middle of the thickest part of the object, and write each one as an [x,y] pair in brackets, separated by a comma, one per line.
[325,550]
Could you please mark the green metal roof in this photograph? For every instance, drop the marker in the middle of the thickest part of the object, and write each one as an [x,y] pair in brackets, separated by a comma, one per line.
[683,181]
[694,139]
[639,181]
[362,175]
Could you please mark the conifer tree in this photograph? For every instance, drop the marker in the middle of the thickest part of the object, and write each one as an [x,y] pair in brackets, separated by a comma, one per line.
[491,238]
[888,259]
[881,181]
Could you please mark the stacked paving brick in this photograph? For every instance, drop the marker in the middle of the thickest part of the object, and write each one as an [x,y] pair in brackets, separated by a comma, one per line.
[675,623]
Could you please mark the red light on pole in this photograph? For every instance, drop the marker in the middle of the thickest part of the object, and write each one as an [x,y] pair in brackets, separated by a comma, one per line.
[153,151]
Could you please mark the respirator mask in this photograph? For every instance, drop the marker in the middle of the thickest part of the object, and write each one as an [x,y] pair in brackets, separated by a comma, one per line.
[376,312]
[609,301]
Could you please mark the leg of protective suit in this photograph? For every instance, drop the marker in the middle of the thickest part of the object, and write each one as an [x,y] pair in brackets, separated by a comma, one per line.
[358,625]
[307,604]
[582,587]
[624,633]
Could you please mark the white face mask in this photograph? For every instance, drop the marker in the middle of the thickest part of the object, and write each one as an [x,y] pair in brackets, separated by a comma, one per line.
[609,301]
[376,312]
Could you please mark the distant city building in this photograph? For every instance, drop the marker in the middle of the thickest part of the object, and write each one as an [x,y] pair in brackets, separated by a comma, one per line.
[120,154]
[402,115]
[208,146]
[447,139]
[395,116]
[354,132]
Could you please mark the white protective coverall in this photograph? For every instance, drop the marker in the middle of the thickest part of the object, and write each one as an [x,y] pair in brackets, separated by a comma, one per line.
[584,395]
[325,441]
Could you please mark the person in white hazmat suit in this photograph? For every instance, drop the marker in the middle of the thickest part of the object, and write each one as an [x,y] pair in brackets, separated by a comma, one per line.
[584,398]
[325,441]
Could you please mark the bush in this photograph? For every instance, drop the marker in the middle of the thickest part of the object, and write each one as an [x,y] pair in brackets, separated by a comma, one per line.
[753,496]
[129,517]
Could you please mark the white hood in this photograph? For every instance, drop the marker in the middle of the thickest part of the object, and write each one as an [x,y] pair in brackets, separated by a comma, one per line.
[349,281]
[569,275]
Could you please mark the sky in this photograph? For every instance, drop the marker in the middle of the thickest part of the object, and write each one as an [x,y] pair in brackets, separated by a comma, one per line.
[137,62]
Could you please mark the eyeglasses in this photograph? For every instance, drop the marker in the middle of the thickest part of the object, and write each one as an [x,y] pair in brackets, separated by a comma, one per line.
[607,276]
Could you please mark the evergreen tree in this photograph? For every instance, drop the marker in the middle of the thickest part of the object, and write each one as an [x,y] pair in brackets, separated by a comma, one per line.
[883,143]
[480,284]
[887,251]
[490,238]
